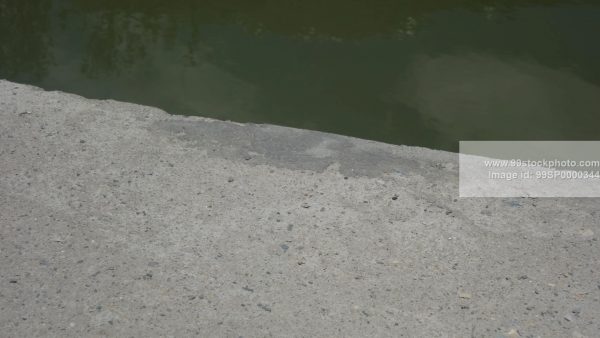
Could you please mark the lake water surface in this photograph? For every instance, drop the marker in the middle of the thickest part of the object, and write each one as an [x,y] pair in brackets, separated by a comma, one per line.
[421,72]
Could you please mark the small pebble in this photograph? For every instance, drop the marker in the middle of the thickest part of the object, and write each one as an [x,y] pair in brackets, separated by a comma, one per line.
[464,295]
[264,307]
[513,333]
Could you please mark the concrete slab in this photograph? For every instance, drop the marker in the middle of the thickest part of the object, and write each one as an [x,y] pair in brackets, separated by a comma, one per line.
[121,220]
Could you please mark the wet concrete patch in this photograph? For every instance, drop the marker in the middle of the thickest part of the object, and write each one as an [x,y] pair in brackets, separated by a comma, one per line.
[288,147]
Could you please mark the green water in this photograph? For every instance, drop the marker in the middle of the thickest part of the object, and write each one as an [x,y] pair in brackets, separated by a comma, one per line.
[417,72]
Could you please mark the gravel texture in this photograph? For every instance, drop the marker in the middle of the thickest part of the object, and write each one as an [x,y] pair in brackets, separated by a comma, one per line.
[121,220]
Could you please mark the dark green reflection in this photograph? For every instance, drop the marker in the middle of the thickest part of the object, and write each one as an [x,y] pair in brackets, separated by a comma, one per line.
[427,72]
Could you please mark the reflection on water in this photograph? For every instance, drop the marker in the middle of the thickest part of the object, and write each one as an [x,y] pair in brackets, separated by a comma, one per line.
[425,73]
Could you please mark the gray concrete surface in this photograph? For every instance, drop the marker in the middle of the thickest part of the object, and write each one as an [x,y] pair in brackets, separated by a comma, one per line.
[121,220]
